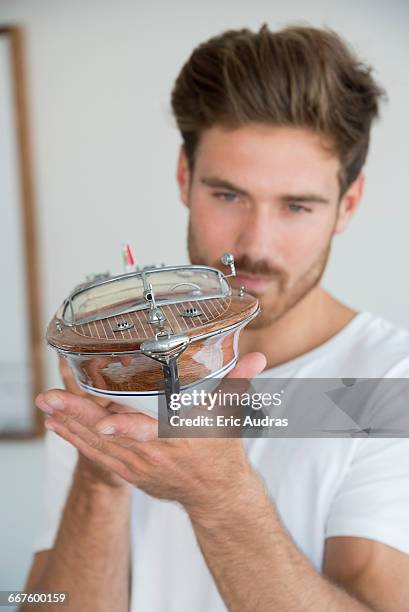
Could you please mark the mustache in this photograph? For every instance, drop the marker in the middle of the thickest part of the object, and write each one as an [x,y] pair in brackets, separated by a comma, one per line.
[258,268]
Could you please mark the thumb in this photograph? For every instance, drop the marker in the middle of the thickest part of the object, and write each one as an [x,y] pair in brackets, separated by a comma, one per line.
[137,426]
[238,379]
[248,366]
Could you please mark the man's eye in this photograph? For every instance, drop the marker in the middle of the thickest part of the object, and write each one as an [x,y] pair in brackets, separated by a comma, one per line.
[226,196]
[297,208]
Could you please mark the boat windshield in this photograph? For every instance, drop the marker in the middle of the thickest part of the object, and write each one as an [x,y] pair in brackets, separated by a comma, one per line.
[136,291]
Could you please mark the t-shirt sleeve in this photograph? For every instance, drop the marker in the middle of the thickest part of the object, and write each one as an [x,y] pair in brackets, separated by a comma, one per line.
[60,461]
[373,499]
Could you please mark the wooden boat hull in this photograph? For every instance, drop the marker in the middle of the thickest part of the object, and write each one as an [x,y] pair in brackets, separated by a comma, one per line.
[112,365]
[138,373]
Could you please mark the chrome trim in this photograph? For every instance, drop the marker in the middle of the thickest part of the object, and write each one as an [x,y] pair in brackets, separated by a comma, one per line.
[164,347]
[195,285]
[122,326]
[228,260]
[191,312]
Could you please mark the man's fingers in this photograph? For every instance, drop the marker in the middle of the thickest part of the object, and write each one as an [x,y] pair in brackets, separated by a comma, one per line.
[68,377]
[82,409]
[111,456]
[120,408]
[72,386]
[238,380]
[137,426]
[248,366]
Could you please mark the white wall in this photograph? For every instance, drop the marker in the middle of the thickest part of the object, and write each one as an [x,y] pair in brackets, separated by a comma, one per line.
[21,511]
[105,145]
[100,74]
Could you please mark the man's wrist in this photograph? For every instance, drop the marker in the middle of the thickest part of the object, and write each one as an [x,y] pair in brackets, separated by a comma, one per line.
[229,500]
[94,479]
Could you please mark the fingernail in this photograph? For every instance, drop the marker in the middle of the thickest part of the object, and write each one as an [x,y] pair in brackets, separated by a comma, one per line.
[41,404]
[107,430]
[49,426]
[54,402]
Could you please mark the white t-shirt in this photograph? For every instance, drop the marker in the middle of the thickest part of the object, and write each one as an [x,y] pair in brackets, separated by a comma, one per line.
[321,487]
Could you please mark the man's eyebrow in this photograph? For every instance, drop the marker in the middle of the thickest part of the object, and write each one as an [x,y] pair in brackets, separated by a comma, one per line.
[215,182]
[307,198]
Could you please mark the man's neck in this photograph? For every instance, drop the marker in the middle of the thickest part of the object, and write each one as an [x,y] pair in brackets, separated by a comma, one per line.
[313,321]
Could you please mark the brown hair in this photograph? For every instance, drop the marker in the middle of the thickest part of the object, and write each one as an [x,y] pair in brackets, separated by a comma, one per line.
[299,76]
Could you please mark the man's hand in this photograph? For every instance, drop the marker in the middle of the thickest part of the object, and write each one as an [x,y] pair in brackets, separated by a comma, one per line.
[72,386]
[195,472]
[87,412]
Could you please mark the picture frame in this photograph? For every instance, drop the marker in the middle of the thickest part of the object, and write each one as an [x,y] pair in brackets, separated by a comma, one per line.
[21,348]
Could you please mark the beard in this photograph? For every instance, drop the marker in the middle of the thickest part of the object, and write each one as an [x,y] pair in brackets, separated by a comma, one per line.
[283,295]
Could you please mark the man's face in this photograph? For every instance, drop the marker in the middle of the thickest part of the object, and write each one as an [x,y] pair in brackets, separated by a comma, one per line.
[270,196]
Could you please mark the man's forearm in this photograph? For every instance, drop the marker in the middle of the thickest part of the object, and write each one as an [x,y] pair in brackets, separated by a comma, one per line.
[90,559]
[255,563]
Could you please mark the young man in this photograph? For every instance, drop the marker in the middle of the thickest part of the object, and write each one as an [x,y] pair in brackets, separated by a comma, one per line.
[275,131]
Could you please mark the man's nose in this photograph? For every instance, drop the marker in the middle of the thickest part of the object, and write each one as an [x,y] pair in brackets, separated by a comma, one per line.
[259,235]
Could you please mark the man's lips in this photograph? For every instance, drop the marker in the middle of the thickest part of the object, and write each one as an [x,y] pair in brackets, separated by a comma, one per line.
[253,282]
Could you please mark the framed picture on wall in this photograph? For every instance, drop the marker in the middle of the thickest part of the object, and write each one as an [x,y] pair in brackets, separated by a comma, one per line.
[21,345]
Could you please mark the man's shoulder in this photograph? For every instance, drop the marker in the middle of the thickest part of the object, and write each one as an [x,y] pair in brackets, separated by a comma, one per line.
[382,344]
[379,330]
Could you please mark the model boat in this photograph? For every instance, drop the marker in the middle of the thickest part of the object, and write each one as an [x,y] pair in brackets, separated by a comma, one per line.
[155,331]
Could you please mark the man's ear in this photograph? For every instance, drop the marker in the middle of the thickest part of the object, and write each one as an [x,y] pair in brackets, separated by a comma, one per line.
[183,176]
[349,203]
